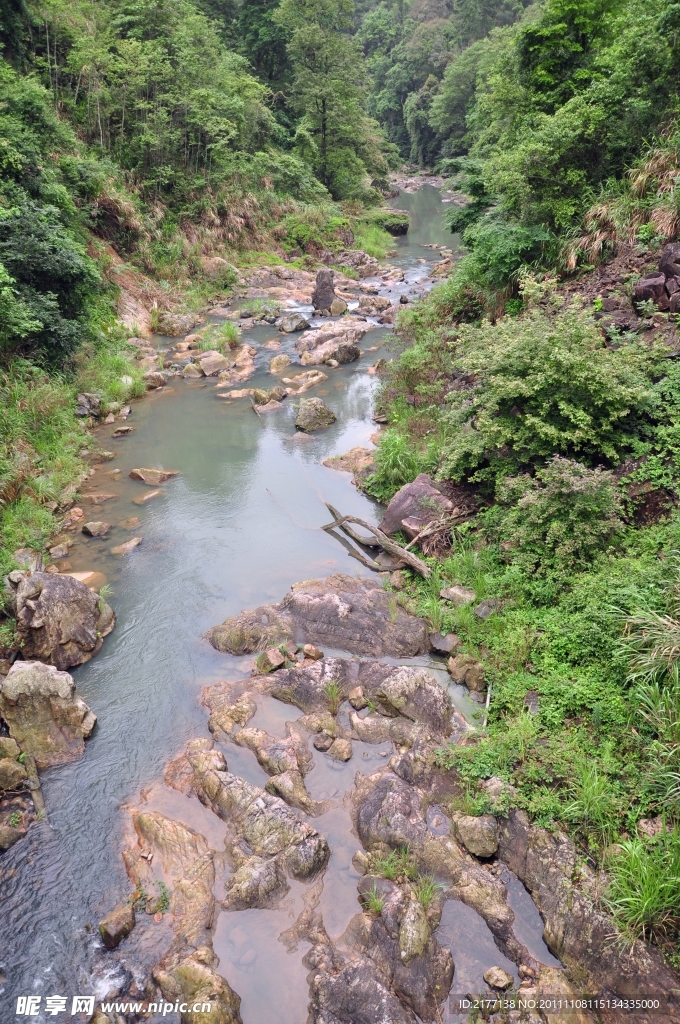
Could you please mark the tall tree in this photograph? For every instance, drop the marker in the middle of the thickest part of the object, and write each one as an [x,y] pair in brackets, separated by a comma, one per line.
[329,92]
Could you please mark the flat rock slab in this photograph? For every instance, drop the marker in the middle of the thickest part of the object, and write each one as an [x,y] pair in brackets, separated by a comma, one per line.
[350,614]
[153,477]
[127,546]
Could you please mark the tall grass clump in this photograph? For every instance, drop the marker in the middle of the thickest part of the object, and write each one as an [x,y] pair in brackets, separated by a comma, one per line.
[644,892]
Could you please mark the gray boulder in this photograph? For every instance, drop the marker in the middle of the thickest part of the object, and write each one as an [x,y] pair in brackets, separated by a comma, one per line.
[418,501]
[313,415]
[293,322]
[117,925]
[324,292]
[60,620]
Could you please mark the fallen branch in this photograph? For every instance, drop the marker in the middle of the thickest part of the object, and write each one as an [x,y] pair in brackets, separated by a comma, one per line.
[256,410]
[385,543]
[340,522]
[360,557]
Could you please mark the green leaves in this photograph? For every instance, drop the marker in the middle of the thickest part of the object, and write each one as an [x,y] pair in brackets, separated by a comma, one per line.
[542,386]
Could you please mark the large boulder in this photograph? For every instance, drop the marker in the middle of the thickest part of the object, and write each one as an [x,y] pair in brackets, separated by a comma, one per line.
[324,292]
[420,502]
[44,713]
[313,415]
[351,614]
[336,342]
[357,259]
[292,323]
[60,620]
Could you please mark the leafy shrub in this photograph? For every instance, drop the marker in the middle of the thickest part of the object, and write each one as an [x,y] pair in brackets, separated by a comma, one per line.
[563,516]
[500,249]
[542,386]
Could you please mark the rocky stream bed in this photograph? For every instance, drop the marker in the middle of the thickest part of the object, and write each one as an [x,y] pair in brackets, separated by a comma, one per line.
[256,822]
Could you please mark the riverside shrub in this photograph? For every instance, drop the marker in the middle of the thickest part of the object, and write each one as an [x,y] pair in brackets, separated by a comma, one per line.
[542,386]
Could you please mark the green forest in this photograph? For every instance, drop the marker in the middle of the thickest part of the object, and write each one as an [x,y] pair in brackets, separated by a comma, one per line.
[160,133]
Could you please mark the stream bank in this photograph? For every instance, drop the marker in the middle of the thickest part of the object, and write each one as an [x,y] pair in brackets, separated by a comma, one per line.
[236,527]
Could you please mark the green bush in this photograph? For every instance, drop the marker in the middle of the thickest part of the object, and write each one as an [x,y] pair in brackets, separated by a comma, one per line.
[543,385]
[563,517]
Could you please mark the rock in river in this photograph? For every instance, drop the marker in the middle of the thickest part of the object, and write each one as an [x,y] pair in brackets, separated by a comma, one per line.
[44,713]
[355,615]
[117,925]
[313,415]
[60,620]
[292,323]
[153,477]
[324,292]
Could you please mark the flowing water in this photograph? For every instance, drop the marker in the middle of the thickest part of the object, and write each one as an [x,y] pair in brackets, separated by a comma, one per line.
[234,530]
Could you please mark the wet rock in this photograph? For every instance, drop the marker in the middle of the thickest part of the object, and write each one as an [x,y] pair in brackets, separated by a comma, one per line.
[388,813]
[256,883]
[9,748]
[340,750]
[465,669]
[44,713]
[324,291]
[358,461]
[123,431]
[357,259]
[270,660]
[414,932]
[96,529]
[153,477]
[60,620]
[337,307]
[9,836]
[356,615]
[323,741]
[127,546]
[458,595]
[92,580]
[479,835]
[293,322]
[228,706]
[188,867]
[194,980]
[192,370]
[313,415]
[337,341]
[279,363]
[496,977]
[304,382]
[154,379]
[213,363]
[419,501]
[355,995]
[263,821]
[273,754]
[117,925]
[143,498]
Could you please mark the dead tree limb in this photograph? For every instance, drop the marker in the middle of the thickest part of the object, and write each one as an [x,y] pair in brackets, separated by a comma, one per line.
[359,555]
[366,541]
[385,543]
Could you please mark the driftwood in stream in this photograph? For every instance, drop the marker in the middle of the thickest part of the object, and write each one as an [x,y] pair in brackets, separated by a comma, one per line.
[384,542]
